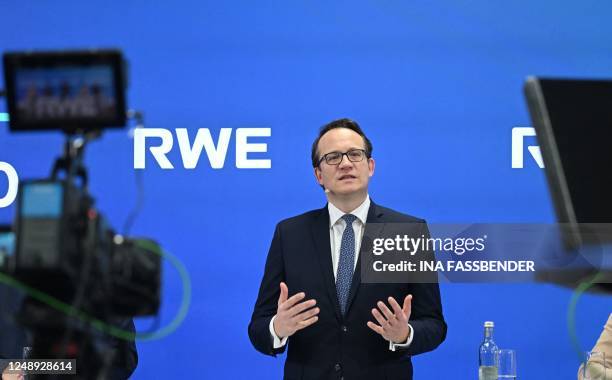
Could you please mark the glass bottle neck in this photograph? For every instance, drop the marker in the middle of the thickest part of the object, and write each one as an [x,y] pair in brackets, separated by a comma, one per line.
[488,333]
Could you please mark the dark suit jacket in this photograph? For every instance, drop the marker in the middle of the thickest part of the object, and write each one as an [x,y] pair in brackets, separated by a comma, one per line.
[339,346]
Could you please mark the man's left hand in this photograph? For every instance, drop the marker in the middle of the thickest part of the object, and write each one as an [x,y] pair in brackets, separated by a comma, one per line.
[392,323]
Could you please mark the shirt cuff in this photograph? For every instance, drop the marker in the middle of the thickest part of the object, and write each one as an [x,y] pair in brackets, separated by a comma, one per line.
[277,342]
[395,346]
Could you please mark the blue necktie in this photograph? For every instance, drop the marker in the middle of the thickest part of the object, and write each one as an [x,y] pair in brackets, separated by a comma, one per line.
[346,263]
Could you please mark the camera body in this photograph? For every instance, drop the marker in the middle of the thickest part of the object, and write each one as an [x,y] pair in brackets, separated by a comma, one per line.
[64,245]
[77,272]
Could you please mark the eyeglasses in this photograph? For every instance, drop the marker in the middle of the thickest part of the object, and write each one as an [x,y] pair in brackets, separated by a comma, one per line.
[335,158]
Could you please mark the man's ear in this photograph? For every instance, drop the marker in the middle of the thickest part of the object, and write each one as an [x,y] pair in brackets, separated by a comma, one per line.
[371,166]
[317,174]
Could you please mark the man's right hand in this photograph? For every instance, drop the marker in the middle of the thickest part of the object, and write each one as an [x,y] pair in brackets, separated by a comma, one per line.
[293,314]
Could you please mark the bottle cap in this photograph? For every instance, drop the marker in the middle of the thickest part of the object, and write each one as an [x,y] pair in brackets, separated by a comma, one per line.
[489,324]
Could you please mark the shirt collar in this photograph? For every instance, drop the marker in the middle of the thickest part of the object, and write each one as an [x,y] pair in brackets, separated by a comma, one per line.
[361,212]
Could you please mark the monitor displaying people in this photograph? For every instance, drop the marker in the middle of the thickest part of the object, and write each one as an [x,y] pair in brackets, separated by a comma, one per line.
[65,93]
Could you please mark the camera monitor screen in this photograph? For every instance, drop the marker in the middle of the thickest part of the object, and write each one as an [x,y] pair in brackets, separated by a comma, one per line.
[71,91]
[573,122]
[7,245]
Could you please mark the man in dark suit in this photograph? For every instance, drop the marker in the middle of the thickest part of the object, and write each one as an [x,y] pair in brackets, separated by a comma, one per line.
[311,296]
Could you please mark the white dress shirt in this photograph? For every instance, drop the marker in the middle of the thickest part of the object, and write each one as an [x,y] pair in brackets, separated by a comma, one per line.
[336,229]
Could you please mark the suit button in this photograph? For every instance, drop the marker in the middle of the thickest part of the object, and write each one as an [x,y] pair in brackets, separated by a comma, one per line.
[337,367]
[344,328]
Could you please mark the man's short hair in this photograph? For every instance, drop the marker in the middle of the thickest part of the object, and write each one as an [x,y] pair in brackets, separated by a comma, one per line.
[340,123]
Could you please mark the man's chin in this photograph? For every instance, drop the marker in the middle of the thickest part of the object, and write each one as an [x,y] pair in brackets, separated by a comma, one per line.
[347,190]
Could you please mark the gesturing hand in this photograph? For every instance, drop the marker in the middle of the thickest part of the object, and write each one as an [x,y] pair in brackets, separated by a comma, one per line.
[393,326]
[11,375]
[292,314]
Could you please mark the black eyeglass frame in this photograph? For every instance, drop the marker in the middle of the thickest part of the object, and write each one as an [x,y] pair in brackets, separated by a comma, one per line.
[342,154]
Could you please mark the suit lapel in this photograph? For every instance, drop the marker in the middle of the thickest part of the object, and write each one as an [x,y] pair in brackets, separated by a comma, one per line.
[320,235]
[375,225]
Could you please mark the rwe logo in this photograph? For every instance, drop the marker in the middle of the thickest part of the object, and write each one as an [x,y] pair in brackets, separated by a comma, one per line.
[518,138]
[190,152]
[13,183]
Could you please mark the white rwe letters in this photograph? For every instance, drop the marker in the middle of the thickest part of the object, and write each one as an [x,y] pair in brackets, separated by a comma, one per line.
[13,183]
[190,153]
[518,135]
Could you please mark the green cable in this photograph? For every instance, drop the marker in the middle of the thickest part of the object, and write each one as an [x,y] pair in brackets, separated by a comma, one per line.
[105,327]
[185,301]
[571,313]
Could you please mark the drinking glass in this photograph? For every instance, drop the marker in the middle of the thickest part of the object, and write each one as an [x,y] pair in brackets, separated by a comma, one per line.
[507,364]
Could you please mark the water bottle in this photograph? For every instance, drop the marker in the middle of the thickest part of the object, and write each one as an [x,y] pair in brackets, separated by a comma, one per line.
[488,355]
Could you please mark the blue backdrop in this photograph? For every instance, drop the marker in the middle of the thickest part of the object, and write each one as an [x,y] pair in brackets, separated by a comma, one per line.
[436,85]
